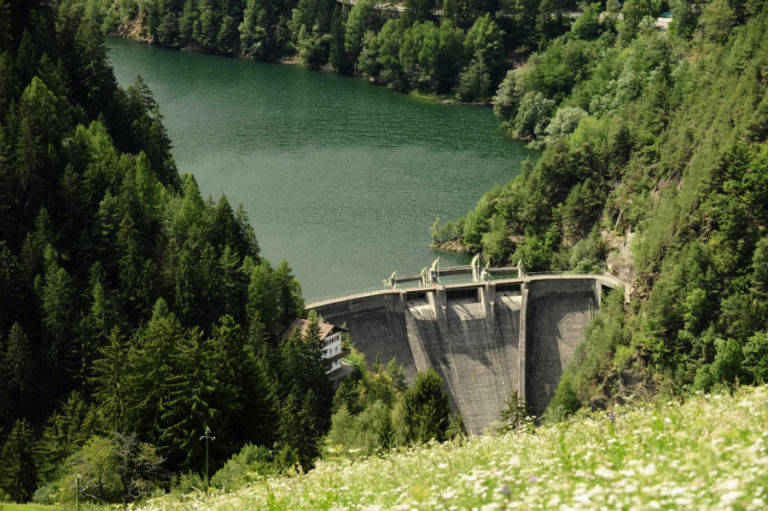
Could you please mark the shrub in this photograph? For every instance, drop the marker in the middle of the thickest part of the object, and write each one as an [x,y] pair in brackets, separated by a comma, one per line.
[250,464]
[188,482]
[111,469]
[565,121]
[755,354]
[533,115]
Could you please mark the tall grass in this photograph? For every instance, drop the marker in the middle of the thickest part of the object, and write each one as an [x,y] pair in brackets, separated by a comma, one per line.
[707,453]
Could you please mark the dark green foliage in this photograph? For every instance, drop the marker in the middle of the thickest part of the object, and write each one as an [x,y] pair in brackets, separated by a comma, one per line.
[134,309]
[375,411]
[475,81]
[328,32]
[305,399]
[645,136]
[426,411]
[515,416]
[419,10]
[66,431]
[17,363]
[361,18]
[18,473]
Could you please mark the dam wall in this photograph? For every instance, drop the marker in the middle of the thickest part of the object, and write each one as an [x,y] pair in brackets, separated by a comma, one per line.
[487,340]
[558,314]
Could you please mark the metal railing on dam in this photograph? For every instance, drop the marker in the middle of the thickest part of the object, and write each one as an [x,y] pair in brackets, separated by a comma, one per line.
[488,340]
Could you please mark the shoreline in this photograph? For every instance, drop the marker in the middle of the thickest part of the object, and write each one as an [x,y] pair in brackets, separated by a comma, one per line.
[452,246]
[294,60]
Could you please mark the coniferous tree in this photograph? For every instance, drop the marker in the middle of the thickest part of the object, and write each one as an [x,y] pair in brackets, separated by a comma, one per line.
[19,385]
[337,52]
[109,381]
[66,431]
[359,21]
[426,409]
[18,475]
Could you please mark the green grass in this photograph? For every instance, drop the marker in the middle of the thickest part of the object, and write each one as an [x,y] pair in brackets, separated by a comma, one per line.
[708,453]
[29,507]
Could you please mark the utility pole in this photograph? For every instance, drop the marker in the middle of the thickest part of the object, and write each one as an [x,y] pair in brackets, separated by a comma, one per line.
[208,435]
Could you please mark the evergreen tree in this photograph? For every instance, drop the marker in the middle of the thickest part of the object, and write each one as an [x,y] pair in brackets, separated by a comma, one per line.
[419,10]
[19,386]
[17,471]
[337,51]
[66,431]
[475,81]
[360,20]
[187,22]
[426,409]
[109,381]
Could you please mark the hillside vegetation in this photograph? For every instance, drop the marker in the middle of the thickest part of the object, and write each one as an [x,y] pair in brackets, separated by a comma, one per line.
[134,312]
[655,167]
[457,48]
[707,453]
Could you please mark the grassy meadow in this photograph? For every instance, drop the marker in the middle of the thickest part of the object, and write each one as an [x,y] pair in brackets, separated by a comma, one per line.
[710,452]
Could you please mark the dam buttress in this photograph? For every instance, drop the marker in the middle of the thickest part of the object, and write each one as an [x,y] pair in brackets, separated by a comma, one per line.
[487,340]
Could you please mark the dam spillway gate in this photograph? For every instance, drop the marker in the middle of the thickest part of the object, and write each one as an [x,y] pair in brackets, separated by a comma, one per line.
[487,340]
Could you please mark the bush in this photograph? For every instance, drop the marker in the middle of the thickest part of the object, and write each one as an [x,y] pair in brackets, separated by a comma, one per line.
[507,98]
[448,232]
[565,121]
[496,243]
[588,254]
[726,368]
[111,469]
[755,354]
[45,494]
[533,115]
[564,402]
[189,482]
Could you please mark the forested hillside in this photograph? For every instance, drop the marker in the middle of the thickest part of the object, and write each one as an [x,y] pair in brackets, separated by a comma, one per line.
[449,47]
[136,312]
[655,167]
[133,312]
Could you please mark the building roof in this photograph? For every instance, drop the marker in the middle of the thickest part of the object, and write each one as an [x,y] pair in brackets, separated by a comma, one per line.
[325,329]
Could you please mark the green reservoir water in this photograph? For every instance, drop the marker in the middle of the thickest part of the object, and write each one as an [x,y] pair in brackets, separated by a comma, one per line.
[340,178]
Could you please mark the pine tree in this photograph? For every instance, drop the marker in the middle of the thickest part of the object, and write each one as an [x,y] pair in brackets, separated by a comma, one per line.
[18,386]
[66,431]
[18,473]
[231,283]
[109,381]
[187,23]
[337,53]
[188,407]
[427,411]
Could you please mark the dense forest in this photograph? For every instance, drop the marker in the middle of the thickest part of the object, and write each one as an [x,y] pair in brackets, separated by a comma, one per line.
[137,317]
[654,167]
[458,48]
[135,313]
[130,304]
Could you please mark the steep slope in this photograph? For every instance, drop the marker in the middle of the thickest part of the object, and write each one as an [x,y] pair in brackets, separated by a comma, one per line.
[659,137]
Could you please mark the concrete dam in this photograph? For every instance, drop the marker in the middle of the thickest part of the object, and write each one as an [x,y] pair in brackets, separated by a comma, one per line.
[487,340]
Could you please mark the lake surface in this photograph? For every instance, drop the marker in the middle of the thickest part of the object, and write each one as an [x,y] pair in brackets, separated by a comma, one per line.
[340,178]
